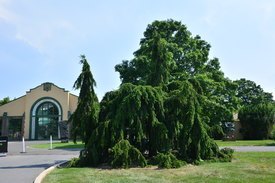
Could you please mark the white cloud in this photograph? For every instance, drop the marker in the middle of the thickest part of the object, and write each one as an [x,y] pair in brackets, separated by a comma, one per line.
[5,14]
[268,9]
[34,27]
[216,9]
[42,36]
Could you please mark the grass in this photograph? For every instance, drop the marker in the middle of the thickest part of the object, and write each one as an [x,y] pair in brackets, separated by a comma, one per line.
[59,145]
[245,143]
[252,167]
[71,145]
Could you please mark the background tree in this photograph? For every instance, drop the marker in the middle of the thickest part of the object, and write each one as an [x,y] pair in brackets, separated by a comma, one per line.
[257,121]
[4,101]
[85,117]
[250,93]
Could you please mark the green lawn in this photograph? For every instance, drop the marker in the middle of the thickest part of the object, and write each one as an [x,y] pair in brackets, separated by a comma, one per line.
[59,145]
[245,143]
[252,167]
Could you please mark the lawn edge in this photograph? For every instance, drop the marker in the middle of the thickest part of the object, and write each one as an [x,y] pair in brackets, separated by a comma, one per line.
[43,174]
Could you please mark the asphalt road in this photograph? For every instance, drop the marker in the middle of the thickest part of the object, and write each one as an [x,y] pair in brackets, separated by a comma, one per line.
[19,167]
[253,148]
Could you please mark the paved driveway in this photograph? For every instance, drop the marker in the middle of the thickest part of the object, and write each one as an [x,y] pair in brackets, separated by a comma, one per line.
[254,148]
[19,167]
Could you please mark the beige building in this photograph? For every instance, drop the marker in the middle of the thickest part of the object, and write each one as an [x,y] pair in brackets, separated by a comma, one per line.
[37,114]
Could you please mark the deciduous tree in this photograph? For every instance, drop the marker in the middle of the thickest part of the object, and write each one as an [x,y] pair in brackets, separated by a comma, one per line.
[4,101]
[250,93]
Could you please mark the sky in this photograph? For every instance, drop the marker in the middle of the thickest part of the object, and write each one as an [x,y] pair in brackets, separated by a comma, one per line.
[41,40]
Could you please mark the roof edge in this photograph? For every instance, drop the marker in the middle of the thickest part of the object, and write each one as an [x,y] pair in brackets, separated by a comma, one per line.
[73,95]
[13,100]
[48,83]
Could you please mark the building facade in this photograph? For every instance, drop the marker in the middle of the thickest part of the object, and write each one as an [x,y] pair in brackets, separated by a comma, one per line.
[37,114]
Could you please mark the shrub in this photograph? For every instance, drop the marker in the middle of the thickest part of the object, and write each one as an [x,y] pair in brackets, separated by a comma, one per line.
[257,121]
[124,155]
[168,160]
[74,162]
[226,154]
[273,133]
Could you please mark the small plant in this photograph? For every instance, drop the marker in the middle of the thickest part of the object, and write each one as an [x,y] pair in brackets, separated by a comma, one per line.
[226,154]
[74,162]
[168,160]
[124,155]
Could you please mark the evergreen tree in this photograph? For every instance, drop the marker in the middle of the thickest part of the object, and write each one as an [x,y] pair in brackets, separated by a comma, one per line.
[168,52]
[159,109]
[85,118]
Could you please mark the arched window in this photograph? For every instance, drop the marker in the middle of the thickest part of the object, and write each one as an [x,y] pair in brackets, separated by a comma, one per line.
[47,109]
[45,117]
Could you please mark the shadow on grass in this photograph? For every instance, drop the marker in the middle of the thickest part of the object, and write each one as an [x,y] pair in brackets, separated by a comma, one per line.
[70,146]
[44,166]
[270,144]
[68,149]
[61,146]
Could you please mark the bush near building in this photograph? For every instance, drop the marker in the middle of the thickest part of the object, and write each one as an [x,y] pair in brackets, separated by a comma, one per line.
[257,121]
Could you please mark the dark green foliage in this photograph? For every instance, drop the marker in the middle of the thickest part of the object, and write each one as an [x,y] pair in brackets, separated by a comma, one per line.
[216,132]
[85,118]
[250,93]
[273,132]
[257,121]
[257,110]
[74,162]
[169,53]
[161,60]
[78,162]
[171,95]
[226,154]
[171,49]
[134,113]
[124,155]
[102,138]
[186,127]
[168,160]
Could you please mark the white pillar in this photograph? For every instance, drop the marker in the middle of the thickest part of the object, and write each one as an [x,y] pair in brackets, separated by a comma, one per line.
[51,142]
[23,145]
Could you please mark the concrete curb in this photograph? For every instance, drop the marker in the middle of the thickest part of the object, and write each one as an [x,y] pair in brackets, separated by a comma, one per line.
[43,174]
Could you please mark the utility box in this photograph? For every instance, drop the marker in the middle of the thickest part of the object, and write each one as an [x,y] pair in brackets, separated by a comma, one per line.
[3,144]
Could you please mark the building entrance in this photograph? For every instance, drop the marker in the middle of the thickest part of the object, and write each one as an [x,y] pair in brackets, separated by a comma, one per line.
[45,118]
[15,128]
